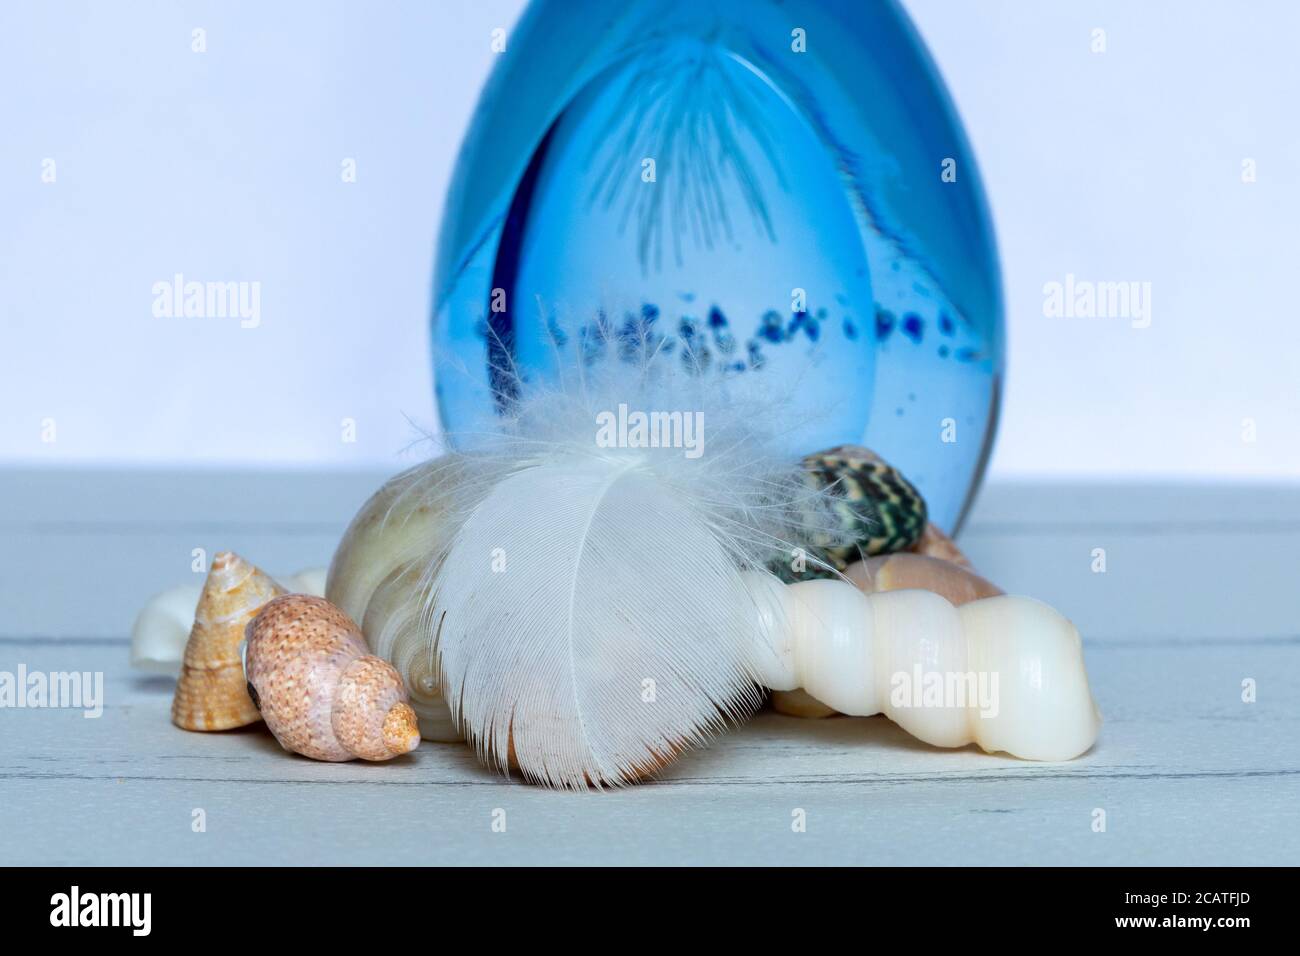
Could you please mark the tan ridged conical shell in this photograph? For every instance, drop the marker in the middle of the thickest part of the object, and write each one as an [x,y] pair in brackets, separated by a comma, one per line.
[211,693]
[321,694]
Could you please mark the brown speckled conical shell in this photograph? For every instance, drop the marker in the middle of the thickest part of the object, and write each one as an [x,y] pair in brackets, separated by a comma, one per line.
[211,693]
[321,694]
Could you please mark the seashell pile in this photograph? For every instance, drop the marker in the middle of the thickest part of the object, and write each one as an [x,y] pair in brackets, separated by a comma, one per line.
[901,596]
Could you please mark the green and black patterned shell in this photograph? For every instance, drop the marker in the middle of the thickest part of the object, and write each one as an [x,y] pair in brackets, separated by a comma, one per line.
[879,510]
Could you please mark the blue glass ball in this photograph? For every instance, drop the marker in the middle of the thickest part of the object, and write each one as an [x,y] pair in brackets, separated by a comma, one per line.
[779,192]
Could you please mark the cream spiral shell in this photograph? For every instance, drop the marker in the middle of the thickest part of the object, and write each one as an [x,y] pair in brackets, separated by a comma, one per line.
[903,570]
[882,653]
[376,578]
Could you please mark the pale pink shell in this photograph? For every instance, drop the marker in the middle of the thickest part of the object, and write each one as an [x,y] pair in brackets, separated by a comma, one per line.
[318,689]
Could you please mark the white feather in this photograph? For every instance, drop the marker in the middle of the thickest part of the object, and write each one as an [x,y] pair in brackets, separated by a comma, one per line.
[584,606]
[608,639]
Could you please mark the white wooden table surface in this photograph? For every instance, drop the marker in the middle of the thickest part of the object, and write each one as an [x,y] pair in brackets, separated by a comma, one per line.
[1201,591]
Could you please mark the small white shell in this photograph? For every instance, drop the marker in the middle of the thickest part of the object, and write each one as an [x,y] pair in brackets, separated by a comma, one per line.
[161,629]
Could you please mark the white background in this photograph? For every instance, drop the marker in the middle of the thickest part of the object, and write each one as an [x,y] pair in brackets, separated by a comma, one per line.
[1124,165]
